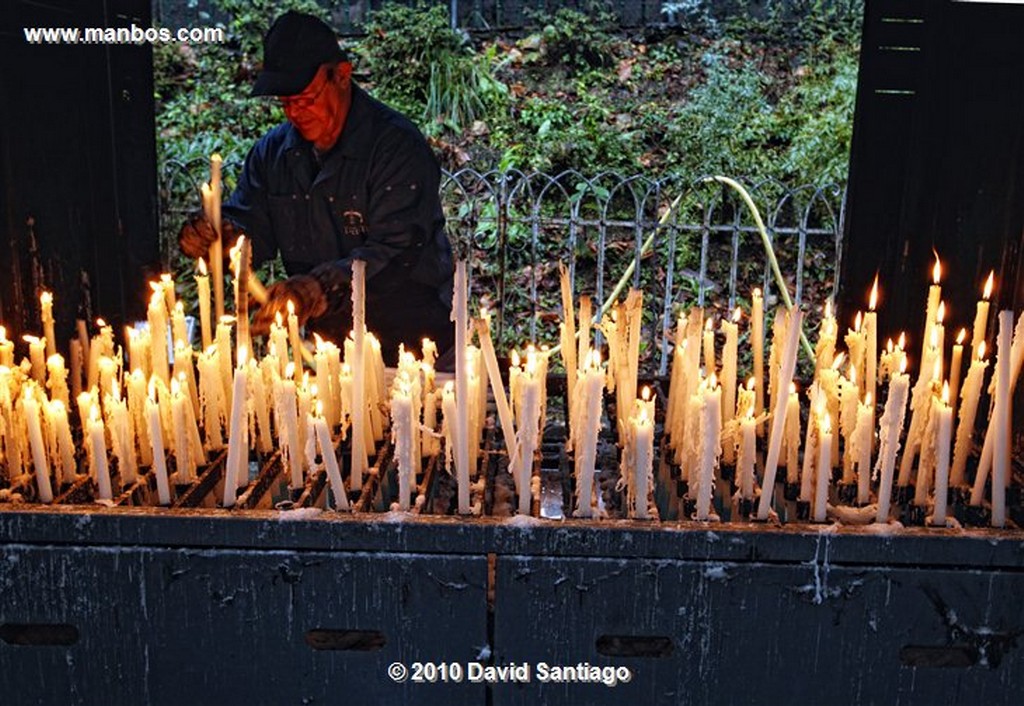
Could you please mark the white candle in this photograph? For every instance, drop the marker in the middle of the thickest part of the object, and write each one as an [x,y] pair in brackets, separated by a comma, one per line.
[459,316]
[46,314]
[823,472]
[236,470]
[58,415]
[955,368]
[6,349]
[757,336]
[729,353]
[203,294]
[592,382]
[323,437]
[825,350]
[1001,419]
[288,426]
[981,316]
[567,330]
[934,296]
[37,356]
[779,413]
[642,423]
[75,354]
[179,329]
[863,435]
[528,431]
[747,455]
[944,432]
[182,457]
[709,347]
[359,449]
[37,446]
[871,345]
[891,425]
[57,379]
[792,435]
[212,405]
[157,447]
[483,328]
[224,357]
[970,396]
[711,444]
[402,434]
[98,454]
[212,202]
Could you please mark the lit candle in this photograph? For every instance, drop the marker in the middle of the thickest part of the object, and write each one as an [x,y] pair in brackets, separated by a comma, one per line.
[567,332]
[459,316]
[279,342]
[643,454]
[849,396]
[823,473]
[757,336]
[57,379]
[529,430]
[586,316]
[205,322]
[709,347]
[890,426]
[37,446]
[224,357]
[122,440]
[592,382]
[711,444]
[855,345]
[179,330]
[1001,419]
[136,384]
[871,346]
[815,414]
[156,315]
[981,316]
[37,356]
[288,425]
[261,408]
[182,457]
[212,406]
[970,396]
[236,470]
[212,204]
[359,448]
[934,295]
[6,349]
[46,314]
[944,431]
[747,454]
[792,437]
[825,350]
[779,413]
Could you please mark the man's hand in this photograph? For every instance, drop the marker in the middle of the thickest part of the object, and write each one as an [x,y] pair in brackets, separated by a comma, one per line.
[306,295]
[197,235]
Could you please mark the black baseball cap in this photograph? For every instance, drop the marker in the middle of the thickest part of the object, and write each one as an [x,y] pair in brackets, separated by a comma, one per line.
[293,49]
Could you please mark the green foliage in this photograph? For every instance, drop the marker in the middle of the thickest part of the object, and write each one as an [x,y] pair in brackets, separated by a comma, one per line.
[582,40]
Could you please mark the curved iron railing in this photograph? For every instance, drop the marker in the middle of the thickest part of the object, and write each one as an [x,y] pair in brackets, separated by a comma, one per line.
[513,228]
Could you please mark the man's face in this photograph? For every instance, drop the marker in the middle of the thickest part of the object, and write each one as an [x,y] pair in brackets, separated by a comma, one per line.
[319,111]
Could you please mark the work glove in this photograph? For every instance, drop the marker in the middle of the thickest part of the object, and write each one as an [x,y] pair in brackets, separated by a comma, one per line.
[303,291]
[197,234]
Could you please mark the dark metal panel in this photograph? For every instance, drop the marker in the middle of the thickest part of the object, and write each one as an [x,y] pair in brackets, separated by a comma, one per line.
[749,633]
[175,626]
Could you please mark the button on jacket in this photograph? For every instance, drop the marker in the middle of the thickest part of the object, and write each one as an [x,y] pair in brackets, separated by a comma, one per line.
[373,196]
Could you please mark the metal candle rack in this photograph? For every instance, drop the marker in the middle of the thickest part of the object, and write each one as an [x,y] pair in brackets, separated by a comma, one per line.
[281,586]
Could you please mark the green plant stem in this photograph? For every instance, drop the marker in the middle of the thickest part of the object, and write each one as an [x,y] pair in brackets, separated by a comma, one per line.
[769,250]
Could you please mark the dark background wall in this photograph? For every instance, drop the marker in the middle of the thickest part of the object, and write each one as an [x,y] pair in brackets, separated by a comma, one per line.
[78,160]
[937,158]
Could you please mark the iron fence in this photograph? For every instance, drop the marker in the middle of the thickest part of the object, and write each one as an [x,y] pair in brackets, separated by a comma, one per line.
[514,228]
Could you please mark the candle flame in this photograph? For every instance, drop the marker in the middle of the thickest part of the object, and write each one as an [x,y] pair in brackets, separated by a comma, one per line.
[736,315]
[100,323]
[31,340]
[291,307]
[46,298]
[945,392]
[318,343]
[3,334]
[150,389]
[828,308]
[837,363]
[516,362]
[889,345]
[94,412]
[902,344]
[319,410]
[201,263]
[853,373]
[449,388]
[937,270]
[289,370]
[867,399]
[989,283]
[278,319]
[751,382]
[934,338]
[483,313]
[873,299]
[313,389]
[826,424]
[961,336]
[903,365]
[346,369]
[940,314]
[981,351]
[175,387]
[595,358]
[757,292]
[157,287]
[646,393]
[243,356]
[857,322]
[713,381]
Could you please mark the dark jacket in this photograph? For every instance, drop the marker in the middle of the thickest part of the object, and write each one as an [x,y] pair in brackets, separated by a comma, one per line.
[374,197]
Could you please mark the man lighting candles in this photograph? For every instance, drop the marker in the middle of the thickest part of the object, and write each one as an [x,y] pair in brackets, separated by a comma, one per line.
[345,178]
